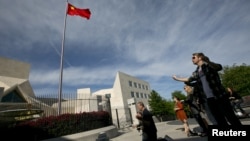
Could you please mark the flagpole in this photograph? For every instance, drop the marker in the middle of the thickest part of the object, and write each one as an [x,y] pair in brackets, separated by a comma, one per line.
[61,63]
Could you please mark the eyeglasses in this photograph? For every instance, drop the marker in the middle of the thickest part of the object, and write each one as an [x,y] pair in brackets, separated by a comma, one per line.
[193,57]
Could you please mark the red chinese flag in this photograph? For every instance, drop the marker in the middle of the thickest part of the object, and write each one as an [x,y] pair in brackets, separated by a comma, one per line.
[72,10]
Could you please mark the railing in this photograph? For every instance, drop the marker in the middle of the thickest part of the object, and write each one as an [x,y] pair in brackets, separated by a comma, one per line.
[46,106]
[122,118]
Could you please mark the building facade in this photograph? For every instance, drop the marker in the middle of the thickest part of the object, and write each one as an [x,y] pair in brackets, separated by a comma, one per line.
[120,100]
[126,92]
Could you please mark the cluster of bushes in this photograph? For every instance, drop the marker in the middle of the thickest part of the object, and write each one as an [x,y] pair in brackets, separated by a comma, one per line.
[56,126]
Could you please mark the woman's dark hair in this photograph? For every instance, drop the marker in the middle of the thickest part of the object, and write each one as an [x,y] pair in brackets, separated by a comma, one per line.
[176,97]
[202,56]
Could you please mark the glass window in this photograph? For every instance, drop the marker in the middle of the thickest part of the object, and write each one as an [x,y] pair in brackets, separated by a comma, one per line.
[141,95]
[12,97]
[135,84]
[137,94]
[132,94]
[130,83]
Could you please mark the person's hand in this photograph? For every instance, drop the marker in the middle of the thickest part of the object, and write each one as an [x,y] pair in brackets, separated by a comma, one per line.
[134,126]
[138,116]
[174,77]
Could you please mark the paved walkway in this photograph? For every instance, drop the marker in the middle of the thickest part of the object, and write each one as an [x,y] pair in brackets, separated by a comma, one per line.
[172,129]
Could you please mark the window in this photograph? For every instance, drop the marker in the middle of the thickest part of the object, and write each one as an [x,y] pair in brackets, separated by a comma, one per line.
[145,95]
[135,84]
[141,95]
[137,94]
[130,83]
[99,100]
[132,94]
[143,87]
[146,87]
[13,97]
[139,85]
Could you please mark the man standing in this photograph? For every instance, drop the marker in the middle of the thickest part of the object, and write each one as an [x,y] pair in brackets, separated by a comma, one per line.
[149,130]
[207,77]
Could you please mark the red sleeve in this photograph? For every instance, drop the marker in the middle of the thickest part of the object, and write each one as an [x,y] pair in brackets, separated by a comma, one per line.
[179,105]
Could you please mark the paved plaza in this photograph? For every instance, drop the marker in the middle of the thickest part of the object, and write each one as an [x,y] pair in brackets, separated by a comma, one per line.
[172,129]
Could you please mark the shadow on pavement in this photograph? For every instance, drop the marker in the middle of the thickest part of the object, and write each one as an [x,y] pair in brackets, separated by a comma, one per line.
[196,138]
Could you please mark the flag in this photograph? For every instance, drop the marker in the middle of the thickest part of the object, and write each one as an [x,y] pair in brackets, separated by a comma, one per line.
[72,10]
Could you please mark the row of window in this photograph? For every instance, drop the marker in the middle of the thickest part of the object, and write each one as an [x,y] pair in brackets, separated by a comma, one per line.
[139,95]
[138,85]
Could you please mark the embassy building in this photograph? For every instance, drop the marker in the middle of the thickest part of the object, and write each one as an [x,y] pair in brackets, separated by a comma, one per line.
[18,100]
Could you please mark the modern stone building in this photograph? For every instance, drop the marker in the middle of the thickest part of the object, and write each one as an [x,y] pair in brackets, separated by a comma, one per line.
[14,75]
[126,91]
[17,96]
[16,92]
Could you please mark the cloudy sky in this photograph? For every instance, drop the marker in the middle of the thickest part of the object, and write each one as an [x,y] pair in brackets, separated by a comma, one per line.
[149,39]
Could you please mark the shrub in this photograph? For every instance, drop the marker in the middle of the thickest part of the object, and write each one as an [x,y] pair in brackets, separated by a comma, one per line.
[55,126]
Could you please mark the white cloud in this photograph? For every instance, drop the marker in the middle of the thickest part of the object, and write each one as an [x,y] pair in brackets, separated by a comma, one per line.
[149,39]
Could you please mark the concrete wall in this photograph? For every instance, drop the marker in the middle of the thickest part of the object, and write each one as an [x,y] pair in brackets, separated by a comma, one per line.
[13,68]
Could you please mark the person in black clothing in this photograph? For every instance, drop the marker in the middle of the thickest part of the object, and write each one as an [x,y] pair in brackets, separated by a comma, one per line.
[207,77]
[195,108]
[235,100]
[201,101]
[139,127]
[149,130]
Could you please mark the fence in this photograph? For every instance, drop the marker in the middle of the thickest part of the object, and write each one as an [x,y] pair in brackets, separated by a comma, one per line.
[122,117]
[44,106]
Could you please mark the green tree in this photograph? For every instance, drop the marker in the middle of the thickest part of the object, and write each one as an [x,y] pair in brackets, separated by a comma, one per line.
[179,94]
[160,106]
[237,77]
[157,104]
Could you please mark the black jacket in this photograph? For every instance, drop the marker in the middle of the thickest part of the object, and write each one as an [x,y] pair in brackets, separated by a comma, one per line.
[147,122]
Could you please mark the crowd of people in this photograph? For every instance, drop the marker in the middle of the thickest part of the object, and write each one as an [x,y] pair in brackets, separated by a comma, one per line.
[208,100]
[209,94]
